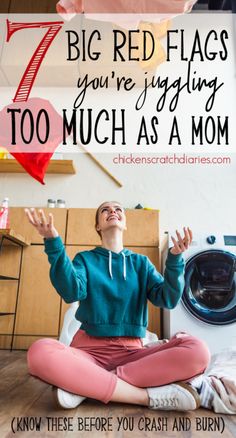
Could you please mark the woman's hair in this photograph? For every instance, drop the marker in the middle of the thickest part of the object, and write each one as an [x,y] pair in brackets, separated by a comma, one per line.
[97,213]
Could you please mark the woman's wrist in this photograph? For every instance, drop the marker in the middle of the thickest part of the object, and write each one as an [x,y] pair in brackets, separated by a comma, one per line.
[48,237]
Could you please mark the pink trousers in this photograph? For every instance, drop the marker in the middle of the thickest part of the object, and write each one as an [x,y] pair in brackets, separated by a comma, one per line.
[85,366]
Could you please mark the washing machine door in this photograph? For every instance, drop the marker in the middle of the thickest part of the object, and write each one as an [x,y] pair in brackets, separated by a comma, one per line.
[210,287]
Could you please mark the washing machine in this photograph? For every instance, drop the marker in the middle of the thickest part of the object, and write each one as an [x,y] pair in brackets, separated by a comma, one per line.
[208,305]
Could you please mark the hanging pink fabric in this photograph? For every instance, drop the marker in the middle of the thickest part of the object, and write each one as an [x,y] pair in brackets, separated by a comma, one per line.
[124,6]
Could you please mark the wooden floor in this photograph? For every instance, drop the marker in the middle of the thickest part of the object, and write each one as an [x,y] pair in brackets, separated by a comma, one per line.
[27,403]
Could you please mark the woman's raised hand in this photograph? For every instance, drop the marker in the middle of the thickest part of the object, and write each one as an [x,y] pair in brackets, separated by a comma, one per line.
[182,243]
[44,226]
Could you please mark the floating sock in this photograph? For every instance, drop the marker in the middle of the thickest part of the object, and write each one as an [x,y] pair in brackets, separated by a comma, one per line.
[204,388]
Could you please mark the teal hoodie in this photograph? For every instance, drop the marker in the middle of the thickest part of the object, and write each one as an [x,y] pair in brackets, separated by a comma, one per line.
[112,288]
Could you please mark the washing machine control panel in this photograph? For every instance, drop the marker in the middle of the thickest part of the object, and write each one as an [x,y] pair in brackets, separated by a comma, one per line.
[208,241]
[221,241]
[211,240]
[230,240]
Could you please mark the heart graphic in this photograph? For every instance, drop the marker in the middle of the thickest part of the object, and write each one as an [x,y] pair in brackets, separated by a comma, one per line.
[31,131]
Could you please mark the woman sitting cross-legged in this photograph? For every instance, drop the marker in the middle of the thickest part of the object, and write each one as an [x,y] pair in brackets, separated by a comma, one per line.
[106,359]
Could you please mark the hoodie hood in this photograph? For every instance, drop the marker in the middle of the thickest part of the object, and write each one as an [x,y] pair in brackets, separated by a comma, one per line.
[114,255]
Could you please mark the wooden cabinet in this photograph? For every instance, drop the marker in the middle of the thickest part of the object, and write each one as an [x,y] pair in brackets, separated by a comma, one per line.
[11,252]
[8,295]
[81,227]
[9,259]
[142,227]
[39,304]
[40,310]
[6,324]
[19,222]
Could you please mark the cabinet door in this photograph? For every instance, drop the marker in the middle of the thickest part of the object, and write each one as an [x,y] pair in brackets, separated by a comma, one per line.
[39,304]
[20,223]
[8,293]
[154,312]
[142,227]
[9,267]
[9,258]
[6,324]
[81,227]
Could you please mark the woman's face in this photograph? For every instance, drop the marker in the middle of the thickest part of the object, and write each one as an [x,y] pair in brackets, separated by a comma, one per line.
[111,214]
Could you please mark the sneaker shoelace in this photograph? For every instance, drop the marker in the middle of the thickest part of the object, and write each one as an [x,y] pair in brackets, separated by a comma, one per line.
[165,402]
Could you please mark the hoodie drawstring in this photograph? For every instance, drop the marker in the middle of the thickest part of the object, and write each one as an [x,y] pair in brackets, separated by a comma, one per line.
[110,265]
[124,266]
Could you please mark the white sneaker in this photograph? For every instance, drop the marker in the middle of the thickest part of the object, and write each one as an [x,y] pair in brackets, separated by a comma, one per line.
[174,397]
[67,400]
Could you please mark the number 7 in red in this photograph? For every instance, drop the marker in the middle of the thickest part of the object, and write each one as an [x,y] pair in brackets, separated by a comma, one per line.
[33,66]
